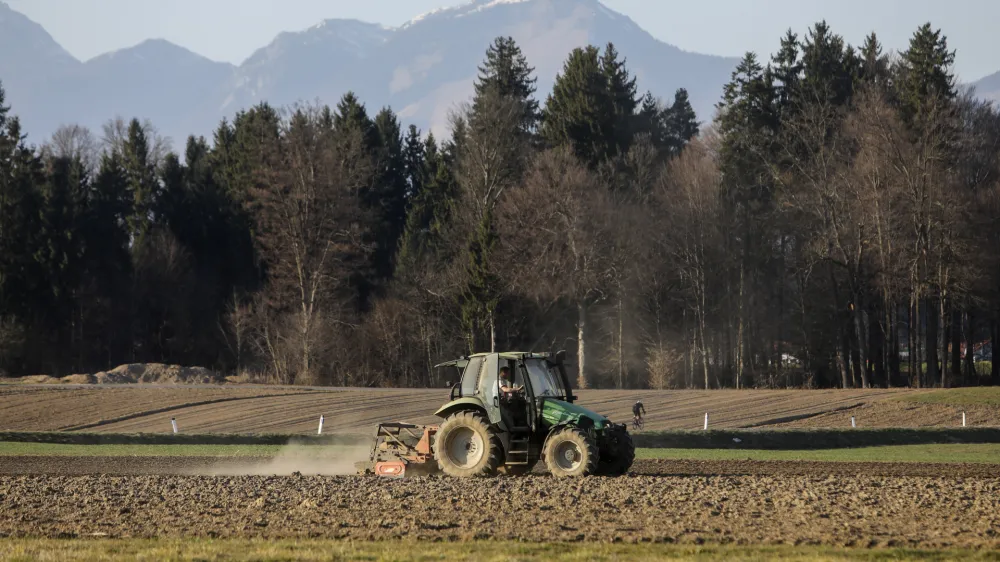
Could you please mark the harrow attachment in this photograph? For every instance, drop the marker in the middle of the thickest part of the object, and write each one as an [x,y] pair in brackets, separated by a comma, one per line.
[401,450]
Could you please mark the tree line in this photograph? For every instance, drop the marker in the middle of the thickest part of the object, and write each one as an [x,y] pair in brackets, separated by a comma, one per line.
[821,230]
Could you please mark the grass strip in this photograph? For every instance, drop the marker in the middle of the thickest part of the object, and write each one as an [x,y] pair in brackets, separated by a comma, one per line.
[986,453]
[385,551]
[805,439]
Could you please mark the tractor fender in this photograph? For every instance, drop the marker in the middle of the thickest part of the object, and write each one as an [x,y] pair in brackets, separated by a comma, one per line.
[460,405]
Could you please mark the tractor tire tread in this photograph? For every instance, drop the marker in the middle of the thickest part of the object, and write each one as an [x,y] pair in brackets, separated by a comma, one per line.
[583,440]
[492,459]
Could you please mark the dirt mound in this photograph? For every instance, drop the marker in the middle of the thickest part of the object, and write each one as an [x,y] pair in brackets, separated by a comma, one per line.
[158,373]
[135,373]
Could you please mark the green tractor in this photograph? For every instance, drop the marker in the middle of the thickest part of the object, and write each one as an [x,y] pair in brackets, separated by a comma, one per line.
[511,410]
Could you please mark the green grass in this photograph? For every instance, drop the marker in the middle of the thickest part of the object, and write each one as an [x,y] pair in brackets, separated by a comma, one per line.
[205,549]
[967,396]
[59,449]
[966,453]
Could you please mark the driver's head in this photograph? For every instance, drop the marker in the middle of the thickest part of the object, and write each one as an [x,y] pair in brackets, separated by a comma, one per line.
[505,373]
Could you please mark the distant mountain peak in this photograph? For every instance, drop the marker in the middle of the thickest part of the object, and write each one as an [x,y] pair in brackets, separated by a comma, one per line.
[460,10]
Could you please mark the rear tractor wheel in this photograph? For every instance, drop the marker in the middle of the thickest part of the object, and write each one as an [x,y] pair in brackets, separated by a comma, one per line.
[466,445]
[570,452]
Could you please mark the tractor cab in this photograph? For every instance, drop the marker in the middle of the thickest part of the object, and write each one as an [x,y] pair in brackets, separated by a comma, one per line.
[511,387]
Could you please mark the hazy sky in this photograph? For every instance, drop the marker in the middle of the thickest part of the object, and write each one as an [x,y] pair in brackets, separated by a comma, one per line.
[230,30]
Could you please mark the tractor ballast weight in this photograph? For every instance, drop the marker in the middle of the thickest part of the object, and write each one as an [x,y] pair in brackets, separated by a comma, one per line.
[486,430]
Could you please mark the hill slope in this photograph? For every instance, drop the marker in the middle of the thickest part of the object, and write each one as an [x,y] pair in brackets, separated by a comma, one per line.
[423,69]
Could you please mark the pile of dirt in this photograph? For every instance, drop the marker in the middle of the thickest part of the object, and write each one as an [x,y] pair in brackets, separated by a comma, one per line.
[134,373]
[159,373]
[856,510]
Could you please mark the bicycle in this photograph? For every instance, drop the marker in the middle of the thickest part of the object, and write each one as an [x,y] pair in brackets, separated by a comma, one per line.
[637,422]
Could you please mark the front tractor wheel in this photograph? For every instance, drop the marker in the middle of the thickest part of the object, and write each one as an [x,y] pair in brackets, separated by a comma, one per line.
[570,452]
[617,453]
[465,445]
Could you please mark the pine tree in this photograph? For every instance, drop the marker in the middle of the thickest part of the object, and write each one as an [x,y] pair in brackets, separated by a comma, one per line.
[621,89]
[925,82]
[828,67]
[506,72]
[787,71]
[681,122]
[874,64]
[392,190]
[652,120]
[142,183]
[414,160]
[579,112]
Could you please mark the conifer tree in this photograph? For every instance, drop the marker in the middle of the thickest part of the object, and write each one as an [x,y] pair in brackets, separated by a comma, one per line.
[579,112]
[506,72]
[681,122]
[391,190]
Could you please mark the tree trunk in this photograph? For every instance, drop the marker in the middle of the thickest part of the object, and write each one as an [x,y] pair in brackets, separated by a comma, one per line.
[876,345]
[970,341]
[621,331]
[956,340]
[493,332]
[994,363]
[931,341]
[860,357]
[912,335]
[581,322]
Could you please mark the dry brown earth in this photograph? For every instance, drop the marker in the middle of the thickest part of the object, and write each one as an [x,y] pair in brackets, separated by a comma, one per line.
[265,410]
[893,413]
[26,408]
[856,511]
[265,465]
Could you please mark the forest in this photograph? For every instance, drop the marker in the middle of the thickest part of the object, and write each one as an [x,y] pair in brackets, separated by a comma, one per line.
[829,226]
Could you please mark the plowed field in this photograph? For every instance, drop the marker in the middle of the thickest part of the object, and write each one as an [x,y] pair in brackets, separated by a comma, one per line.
[66,408]
[234,409]
[893,413]
[860,510]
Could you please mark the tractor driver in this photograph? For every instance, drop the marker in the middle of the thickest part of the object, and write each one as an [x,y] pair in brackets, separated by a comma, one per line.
[506,384]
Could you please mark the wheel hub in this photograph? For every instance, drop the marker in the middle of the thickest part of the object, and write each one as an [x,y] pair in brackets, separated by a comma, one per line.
[568,455]
[465,447]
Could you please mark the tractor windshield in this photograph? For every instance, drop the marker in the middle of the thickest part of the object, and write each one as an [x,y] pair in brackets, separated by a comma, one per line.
[544,382]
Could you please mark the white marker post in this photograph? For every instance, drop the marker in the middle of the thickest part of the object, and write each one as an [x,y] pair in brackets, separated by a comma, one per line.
[852,422]
[173,423]
[320,430]
[706,421]
[963,419]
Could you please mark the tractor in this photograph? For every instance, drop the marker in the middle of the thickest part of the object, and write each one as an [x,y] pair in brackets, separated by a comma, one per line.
[508,412]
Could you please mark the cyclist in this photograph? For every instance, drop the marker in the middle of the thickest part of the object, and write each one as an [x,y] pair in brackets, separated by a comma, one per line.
[638,410]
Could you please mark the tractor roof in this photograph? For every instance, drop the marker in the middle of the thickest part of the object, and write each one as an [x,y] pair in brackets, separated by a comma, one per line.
[509,355]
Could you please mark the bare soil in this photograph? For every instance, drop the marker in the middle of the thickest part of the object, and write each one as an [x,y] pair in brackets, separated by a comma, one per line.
[25,408]
[131,409]
[267,466]
[859,510]
[893,413]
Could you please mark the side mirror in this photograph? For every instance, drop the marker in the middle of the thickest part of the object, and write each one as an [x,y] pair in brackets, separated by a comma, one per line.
[560,356]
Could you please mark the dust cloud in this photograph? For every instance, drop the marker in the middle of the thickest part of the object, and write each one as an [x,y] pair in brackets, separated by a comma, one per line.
[308,460]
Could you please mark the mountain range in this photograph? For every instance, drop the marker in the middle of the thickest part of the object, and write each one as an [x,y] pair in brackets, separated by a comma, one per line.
[422,69]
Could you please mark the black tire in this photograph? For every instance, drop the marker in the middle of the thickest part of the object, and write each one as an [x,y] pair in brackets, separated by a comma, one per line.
[569,452]
[515,469]
[468,435]
[617,453]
